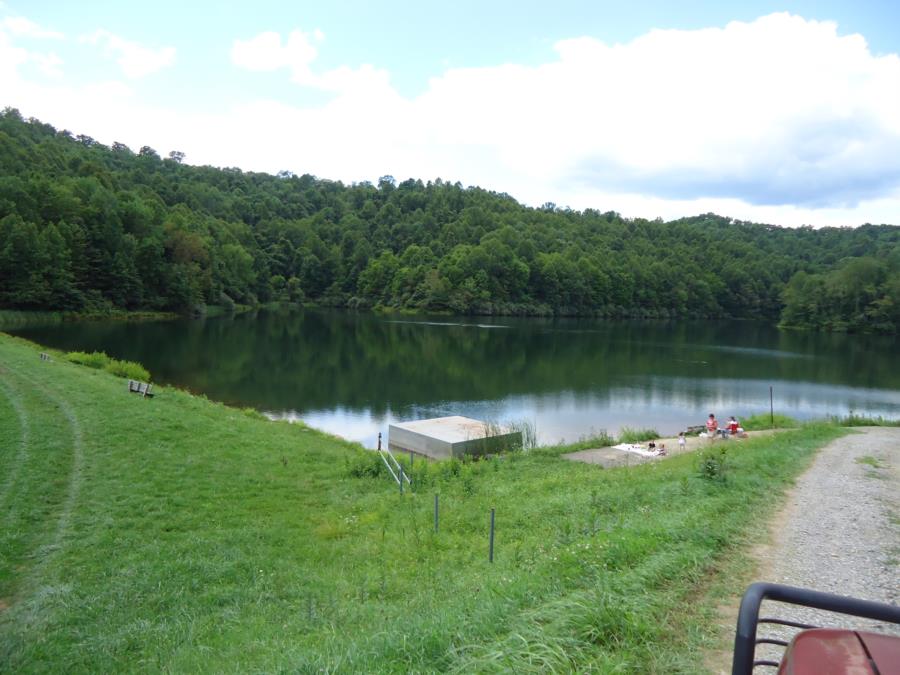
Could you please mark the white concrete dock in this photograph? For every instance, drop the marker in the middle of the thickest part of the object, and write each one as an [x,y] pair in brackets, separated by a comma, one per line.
[445,437]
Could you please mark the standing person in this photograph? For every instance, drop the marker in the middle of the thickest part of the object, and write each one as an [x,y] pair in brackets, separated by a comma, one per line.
[733,426]
[712,426]
[681,441]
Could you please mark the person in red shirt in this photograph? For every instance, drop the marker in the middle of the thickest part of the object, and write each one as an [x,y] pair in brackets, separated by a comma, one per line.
[733,426]
[712,425]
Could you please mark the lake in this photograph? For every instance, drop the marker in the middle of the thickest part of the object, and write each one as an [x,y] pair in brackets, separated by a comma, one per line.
[353,374]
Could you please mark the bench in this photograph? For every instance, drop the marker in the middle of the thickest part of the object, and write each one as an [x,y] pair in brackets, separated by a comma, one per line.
[45,357]
[142,388]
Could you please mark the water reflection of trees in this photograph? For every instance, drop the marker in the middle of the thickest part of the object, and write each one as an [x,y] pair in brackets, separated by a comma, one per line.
[320,359]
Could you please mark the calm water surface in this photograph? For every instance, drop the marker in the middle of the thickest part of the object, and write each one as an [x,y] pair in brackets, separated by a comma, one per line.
[353,374]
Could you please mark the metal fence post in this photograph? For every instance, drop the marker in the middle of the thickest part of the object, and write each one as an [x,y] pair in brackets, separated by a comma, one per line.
[491,548]
[771,408]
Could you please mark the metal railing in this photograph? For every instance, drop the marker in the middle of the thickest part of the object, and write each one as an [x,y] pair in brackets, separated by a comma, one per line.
[393,466]
[745,639]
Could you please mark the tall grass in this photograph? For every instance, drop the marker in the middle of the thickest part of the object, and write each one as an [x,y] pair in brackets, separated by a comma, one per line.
[11,319]
[528,431]
[99,360]
[629,435]
[764,421]
[856,420]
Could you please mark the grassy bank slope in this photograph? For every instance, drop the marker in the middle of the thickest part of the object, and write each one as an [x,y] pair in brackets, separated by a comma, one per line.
[177,534]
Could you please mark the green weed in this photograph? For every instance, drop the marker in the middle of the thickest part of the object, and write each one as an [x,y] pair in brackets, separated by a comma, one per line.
[128,369]
[874,462]
[100,361]
[713,464]
[97,360]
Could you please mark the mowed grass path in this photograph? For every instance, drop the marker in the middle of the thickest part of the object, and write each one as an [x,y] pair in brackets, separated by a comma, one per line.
[179,535]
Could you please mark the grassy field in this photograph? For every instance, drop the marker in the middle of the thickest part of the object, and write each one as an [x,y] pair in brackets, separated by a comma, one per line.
[175,534]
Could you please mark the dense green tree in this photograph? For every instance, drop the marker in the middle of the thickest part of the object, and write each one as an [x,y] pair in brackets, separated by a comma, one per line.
[22,262]
[83,226]
[861,294]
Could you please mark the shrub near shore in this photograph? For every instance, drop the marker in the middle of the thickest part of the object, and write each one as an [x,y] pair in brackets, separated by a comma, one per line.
[179,534]
[99,360]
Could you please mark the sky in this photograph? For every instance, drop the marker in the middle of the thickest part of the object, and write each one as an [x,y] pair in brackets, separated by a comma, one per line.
[785,113]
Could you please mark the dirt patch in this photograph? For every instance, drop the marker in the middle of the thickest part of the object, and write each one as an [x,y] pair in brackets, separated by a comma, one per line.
[4,604]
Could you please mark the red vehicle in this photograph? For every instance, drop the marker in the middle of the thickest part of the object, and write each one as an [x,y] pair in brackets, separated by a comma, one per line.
[816,651]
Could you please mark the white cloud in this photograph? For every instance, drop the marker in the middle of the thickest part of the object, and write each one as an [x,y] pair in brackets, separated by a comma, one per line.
[19,25]
[265,52]
[12,56]
[49,64]
[135,60]
[778,120]
[778,111]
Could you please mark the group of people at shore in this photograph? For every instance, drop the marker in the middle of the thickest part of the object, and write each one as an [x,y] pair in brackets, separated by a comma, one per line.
[732,428]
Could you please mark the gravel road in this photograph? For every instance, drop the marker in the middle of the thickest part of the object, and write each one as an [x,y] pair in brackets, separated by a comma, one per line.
[839,532]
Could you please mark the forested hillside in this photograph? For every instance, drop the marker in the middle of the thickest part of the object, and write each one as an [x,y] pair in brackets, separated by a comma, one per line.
[86,227]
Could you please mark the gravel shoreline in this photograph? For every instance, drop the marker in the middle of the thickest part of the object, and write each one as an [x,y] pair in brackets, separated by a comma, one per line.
[839,532]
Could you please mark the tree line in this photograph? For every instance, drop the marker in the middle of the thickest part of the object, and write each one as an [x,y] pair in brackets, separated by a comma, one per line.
[89,227]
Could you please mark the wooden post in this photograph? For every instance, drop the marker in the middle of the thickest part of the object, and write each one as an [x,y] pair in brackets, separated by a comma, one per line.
[491,547]
[379,441]
[401,479]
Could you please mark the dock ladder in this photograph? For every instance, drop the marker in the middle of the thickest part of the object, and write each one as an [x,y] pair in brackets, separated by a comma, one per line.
[395,468]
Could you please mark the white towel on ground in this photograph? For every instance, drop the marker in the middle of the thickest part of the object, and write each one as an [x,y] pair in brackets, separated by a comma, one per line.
[636,449]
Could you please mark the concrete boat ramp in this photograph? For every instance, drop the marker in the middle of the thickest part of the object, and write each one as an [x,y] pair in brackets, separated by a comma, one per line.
[611,458]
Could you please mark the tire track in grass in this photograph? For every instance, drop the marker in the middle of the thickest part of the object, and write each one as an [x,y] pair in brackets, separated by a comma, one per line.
[21,455]
[64,518]
[44,592]
[64,521]
[49,486]
[26,487]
